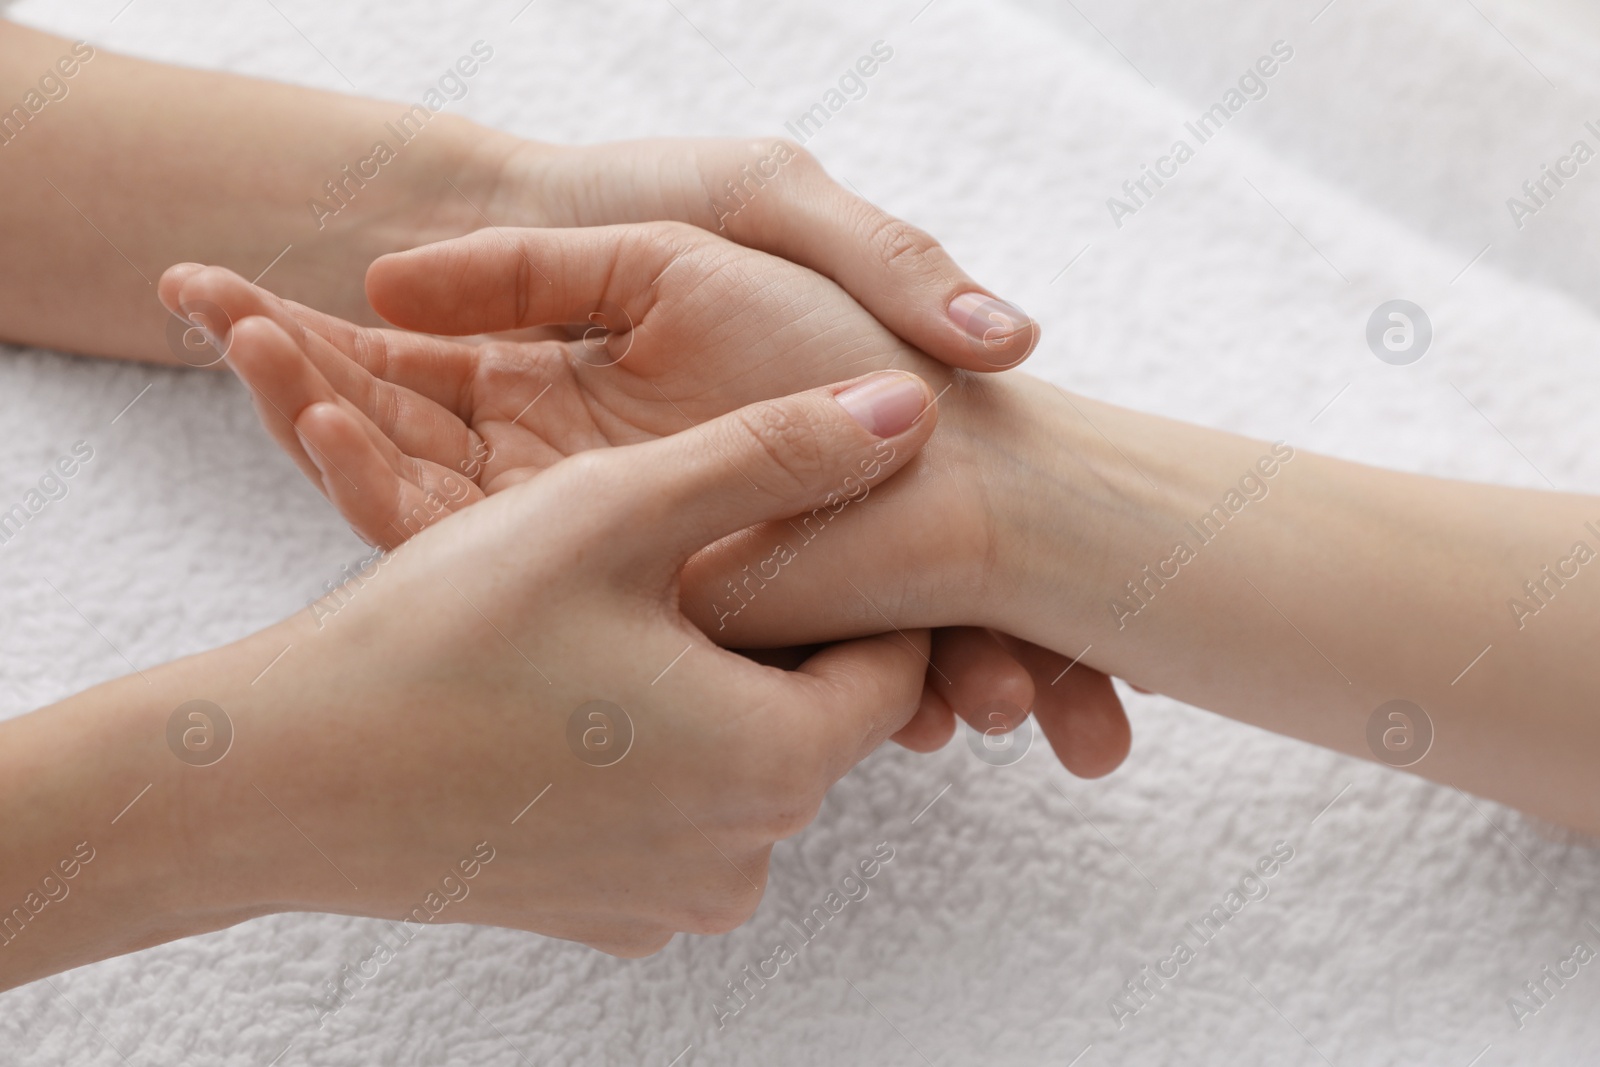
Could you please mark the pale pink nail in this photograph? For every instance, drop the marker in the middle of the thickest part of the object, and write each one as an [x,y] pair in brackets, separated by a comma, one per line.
[885,404]
[1002,332]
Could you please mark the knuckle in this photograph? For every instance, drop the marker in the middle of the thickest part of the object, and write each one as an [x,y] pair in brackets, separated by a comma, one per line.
[793,815]
[897,243]
[789,162]
[667,234]
[786,792]
[598,481]
[769,175]
[370,350]
[801,163]
[726,908]
[450,268]
[800,780]
[586,469]
[791,444]
[521,283]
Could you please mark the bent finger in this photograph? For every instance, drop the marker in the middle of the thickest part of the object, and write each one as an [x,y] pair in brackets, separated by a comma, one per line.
[1077,709]
[981,680]
[860,693]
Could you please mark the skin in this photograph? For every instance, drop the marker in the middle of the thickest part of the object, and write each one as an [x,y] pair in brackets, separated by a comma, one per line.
[1320,591]
[432,425]
[174,140]
[420,723]
[1344,588]
[398,681]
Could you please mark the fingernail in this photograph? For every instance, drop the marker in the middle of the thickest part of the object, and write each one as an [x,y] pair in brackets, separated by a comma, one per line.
[885,404]
[1001,331]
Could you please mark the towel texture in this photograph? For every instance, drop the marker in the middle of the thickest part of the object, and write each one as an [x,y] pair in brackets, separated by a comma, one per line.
[1375,163]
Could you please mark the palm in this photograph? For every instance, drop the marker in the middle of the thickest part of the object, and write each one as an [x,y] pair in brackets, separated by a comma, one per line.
[721,328]
[458,420]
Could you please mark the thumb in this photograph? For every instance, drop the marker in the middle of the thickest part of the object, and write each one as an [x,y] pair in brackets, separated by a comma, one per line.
[775,196]
[897,271]
[824,448]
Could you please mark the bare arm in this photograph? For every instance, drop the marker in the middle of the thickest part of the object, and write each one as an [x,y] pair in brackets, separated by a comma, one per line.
[115,171]
[126,167]
[197,794]
[1305,599]
[1295,592]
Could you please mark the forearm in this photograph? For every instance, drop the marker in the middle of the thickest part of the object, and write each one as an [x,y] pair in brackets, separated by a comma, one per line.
[111,841]
[141,165]
[1313,595]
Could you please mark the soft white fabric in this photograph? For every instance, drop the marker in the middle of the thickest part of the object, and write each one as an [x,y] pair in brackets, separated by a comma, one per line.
[1016,907]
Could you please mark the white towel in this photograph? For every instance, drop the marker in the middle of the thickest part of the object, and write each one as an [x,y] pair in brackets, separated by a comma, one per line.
[1377,166]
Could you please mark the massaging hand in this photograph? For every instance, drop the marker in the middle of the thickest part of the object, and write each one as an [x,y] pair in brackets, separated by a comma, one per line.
[433,424]
[445,695]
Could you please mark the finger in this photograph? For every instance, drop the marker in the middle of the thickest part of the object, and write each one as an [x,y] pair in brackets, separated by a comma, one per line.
[1077,709]
[383,494]
[170,285]
[350,473]
[895,270]
[982,682]
[356,363]
[382,508]
[408,360]
[768,460]
[931,726]
[775,196]
[1086,724]
[440,370]
[859,693]
[253,357]
[282,382]
[496,280]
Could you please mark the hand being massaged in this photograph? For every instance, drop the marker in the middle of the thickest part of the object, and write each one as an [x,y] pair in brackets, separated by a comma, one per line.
[674,326]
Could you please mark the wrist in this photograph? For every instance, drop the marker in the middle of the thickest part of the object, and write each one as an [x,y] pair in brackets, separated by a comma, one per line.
[1078,488]
[451,188]
[471,177]
[516,176]
[452,181]
[1023,457]
[1101,514]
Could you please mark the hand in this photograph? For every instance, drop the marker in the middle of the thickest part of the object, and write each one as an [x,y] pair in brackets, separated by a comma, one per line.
[727,756]
[441,423]
[900,274]
[903,277]
[434,752]
[454,685]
